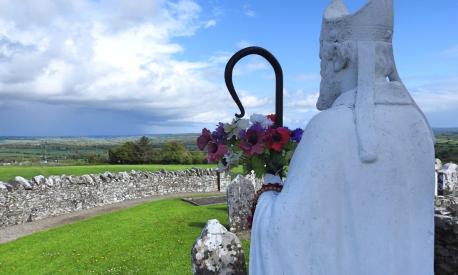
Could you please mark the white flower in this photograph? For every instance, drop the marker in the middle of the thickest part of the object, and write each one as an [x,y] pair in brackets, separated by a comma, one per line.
[231,159]
[243,124]
[234,128]
[261,119]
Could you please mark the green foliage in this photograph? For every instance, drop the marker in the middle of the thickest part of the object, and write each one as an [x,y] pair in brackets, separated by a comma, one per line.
[142,152]
[137,152]
[255,163]
[174,152]
[198,157]
[271,162]
[153,238]
[93,158]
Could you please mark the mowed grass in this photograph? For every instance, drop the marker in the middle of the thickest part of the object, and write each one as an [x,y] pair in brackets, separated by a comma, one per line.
[7,173]
[153,238]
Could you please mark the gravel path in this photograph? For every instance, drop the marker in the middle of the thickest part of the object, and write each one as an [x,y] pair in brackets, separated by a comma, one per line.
[14,232]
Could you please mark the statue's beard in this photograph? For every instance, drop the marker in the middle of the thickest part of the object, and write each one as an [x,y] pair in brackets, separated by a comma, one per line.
[329,92]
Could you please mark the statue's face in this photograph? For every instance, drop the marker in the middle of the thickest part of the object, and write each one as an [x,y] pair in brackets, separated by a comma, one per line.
[330,84]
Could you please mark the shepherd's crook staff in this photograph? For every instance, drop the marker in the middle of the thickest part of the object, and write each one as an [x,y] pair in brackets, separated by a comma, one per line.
[278,77]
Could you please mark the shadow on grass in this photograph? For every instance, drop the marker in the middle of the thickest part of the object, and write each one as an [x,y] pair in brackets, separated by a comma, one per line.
[221,208]
[201,225]
[197,224]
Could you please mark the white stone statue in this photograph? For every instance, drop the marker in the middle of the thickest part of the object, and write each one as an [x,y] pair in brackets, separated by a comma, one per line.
[359,196]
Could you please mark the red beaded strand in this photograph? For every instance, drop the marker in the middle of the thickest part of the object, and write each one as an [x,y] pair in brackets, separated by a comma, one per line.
[276,187]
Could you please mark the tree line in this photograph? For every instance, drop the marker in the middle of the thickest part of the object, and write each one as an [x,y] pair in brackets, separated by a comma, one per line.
[142,151]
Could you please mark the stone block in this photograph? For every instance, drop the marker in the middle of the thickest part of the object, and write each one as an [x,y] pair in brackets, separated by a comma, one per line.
[23,182]
[240,195]
[217,251]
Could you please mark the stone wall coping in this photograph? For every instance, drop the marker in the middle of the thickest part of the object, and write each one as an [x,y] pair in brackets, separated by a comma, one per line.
[40,181]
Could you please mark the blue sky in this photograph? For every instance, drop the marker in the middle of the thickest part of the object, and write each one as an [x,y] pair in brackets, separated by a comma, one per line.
[144,67]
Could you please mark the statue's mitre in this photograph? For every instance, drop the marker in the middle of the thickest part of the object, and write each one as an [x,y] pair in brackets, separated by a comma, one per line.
[373,22]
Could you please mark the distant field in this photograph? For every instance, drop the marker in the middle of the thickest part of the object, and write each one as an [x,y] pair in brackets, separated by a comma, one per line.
[66,155]
[447,146]
[74,150]
[7,173]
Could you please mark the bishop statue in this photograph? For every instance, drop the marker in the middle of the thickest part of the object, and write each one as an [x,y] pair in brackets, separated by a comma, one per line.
[359,195]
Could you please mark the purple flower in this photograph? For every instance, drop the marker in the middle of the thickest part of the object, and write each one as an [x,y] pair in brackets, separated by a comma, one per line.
[219,134]
[296,135]
[257,127]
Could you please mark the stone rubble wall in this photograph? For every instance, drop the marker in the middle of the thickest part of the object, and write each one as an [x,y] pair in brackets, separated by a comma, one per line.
[446,244]
[446,219]
[447,178]
[24,200]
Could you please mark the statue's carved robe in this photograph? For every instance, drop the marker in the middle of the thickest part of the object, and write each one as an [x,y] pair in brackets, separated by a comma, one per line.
[339,216]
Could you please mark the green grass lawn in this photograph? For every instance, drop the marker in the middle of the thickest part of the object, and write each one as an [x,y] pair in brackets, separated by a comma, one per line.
[9,172]
[153,238]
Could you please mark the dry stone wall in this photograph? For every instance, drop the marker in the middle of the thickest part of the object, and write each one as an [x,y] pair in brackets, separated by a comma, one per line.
[27,200]
[446,244]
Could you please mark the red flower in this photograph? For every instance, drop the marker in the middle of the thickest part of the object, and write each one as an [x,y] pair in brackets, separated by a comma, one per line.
[216,151]
[272,117]
[277,138]
[204,139]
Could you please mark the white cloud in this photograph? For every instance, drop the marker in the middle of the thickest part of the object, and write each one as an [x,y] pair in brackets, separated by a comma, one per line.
[248,11]
[299,108]
[244,44]
[301,101]
[251,64]
[210,23]
[437,95]
[307,77]
[250,101]
[451,52]
[114,55]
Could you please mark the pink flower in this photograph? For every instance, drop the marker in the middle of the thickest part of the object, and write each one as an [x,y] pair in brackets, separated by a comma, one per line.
[216,151]
[252,140]
[204,139]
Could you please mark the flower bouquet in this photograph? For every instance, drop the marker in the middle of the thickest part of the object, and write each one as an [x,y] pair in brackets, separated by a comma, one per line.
[255,143]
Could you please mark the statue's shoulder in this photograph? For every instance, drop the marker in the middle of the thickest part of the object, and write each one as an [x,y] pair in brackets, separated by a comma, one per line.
[333,121]
[392,93]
